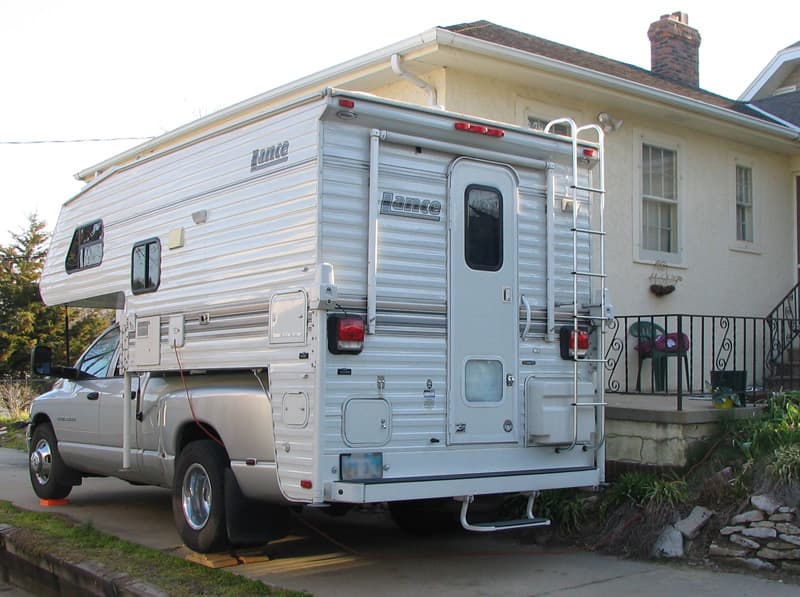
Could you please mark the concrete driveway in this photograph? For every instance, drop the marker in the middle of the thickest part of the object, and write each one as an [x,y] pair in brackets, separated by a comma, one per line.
[363,553]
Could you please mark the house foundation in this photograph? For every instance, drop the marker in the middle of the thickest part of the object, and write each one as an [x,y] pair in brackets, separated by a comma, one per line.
[648,431]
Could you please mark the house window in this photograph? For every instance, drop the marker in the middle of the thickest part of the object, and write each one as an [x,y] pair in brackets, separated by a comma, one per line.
[86,248]
[146,266]
[659,199]
[744,204]
[538,124]
[483,238]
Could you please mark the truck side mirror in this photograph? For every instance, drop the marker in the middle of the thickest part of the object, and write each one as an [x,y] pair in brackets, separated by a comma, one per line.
[41,360]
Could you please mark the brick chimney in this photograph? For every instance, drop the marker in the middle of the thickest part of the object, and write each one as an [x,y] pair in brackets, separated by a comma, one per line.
[674,49]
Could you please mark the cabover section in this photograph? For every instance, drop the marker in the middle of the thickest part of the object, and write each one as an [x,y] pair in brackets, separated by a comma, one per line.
[192,243]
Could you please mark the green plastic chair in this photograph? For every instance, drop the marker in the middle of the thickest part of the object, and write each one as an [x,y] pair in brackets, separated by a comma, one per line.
[654,343]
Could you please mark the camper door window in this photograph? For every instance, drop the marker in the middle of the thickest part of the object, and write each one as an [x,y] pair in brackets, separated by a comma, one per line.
[483,238]
[86,248]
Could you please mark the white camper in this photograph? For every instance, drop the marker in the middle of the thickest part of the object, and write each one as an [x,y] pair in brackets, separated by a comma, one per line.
[342,300]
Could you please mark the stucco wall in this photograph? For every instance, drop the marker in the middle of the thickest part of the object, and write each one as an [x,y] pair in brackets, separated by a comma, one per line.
[719,275]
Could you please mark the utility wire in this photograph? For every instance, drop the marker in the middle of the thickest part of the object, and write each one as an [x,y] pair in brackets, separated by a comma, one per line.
[47,141]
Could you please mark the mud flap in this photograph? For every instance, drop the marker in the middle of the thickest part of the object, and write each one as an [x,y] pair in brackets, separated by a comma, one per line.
[250,522]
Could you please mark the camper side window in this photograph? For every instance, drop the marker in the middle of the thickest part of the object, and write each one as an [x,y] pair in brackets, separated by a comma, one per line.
[146,266]
[483,226]
[86,248]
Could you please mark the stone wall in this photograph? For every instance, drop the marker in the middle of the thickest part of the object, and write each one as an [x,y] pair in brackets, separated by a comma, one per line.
[767,537]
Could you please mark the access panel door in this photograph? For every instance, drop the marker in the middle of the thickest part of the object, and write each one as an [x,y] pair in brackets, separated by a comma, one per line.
[483,312]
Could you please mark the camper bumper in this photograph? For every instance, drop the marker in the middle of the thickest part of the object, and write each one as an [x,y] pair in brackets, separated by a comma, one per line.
[384,490]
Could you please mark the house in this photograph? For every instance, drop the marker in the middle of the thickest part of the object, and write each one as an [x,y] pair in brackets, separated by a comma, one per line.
[701,213]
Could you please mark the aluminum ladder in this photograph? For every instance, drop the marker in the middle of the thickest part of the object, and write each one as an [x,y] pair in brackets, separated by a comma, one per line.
[594,316]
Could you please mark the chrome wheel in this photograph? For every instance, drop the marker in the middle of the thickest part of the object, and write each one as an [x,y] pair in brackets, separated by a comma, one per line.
[196,495]
[41,461]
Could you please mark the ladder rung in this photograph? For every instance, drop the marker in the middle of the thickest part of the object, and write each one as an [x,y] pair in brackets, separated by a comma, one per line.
[589,231]
[590,360]
[589,404]
[591,317]
[578,187]
[589,274]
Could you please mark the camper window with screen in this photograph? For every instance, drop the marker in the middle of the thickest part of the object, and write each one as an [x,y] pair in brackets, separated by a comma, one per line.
[146,266]
[86,248]
[484,228]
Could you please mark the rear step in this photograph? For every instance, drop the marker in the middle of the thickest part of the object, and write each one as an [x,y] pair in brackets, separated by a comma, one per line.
[502,525]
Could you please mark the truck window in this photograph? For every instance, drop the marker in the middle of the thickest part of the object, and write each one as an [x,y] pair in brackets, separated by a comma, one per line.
[98,359]
[146,266]
[86,248]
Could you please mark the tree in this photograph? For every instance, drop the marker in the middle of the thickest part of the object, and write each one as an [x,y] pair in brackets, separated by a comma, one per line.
[24,319]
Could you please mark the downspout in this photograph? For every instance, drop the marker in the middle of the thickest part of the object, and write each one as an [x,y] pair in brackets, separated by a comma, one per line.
[422,84]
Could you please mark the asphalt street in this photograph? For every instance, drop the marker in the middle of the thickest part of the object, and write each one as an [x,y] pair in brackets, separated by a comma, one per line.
[365,554]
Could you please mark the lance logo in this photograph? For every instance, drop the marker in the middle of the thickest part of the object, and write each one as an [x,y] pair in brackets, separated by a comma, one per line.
[393,204]
[269,156]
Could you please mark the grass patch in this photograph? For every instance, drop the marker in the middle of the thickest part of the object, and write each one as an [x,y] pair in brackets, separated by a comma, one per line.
[49,534]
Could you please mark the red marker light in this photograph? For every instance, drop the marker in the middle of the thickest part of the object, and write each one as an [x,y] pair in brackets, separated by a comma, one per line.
[479,129]
[347,103]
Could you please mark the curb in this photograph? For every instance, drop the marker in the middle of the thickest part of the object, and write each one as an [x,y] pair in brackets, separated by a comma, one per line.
[43,574]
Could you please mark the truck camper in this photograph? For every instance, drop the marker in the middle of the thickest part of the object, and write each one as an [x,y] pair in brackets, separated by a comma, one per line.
[336,301]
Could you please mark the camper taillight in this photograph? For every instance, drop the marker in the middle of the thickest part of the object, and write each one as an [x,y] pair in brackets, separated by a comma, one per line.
[573,343]
[345,334]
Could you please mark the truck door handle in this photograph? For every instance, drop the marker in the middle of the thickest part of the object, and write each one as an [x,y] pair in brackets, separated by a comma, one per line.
[93,395]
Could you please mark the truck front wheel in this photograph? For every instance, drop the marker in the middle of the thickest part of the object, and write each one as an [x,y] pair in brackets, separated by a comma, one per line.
[198,496]
[49,475]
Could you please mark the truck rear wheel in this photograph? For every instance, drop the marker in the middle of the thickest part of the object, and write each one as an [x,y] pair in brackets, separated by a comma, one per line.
[49,475]
[198,496]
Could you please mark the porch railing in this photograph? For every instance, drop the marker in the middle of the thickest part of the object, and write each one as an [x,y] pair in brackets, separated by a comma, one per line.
[688,355]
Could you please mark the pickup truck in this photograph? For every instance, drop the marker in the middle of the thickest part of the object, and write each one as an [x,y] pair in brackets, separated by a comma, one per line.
[76,431]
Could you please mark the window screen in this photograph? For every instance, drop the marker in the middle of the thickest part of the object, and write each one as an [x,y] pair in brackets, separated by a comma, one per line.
[86,248]
[146,266]
[659,199]
[483,226]
[744,204]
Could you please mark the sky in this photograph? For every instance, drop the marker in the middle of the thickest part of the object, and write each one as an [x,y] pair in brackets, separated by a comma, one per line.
[85,69]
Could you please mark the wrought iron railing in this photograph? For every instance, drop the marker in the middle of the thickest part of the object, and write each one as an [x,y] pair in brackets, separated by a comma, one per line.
[691,355]
[788,309]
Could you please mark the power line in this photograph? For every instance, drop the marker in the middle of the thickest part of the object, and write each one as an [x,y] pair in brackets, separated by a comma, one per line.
[48,141]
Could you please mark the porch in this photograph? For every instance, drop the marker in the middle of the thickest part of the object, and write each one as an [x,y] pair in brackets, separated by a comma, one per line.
[664,374]
[647,430]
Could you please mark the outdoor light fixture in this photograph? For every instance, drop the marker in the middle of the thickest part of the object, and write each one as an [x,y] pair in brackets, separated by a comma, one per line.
[608,122]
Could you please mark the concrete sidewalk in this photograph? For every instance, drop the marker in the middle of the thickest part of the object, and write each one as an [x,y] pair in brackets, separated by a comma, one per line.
[371,556]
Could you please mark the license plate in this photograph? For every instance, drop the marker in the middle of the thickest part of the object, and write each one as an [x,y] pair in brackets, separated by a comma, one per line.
[362,466]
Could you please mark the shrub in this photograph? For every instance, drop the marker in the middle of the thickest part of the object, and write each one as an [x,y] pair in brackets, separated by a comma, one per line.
[565,507]
[645,490]
[15,398]
[784,468]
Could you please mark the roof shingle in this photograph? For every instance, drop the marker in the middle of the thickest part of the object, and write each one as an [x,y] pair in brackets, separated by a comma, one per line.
[487,31]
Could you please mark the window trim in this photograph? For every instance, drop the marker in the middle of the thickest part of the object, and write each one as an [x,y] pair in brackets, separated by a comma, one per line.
[500,240]
[650,256]
[70,269]
[754,246]
[144,243]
